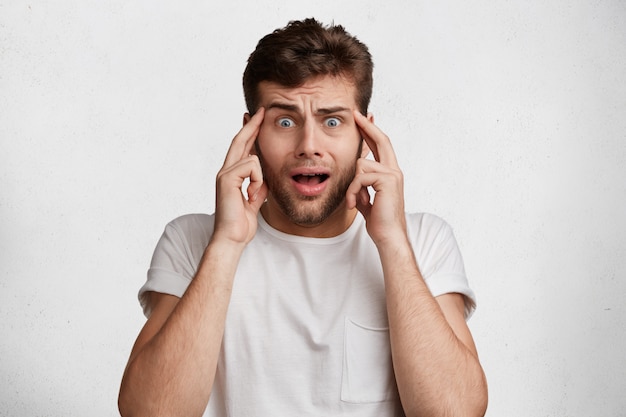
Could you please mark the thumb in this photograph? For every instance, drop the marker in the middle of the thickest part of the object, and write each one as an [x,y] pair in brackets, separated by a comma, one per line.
[257,197]
[363,202]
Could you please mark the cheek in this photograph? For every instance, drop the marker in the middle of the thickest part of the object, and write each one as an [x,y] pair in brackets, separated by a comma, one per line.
[263,139]
[266,147]
[273,141]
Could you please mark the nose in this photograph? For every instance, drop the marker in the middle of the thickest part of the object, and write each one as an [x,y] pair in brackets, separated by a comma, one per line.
[309,141]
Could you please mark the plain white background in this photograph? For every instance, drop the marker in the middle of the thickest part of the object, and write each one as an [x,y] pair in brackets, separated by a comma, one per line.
[508,118]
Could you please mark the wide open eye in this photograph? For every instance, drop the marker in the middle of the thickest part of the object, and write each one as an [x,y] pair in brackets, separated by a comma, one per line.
[285,122]
[332,122]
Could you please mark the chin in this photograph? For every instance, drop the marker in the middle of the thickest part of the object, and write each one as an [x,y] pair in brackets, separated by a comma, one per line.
[309,212]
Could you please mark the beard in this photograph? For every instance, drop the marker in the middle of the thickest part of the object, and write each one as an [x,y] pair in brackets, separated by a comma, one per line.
[307,210]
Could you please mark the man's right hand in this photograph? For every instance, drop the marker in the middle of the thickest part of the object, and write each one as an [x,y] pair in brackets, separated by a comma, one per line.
[183,336]
[235,213]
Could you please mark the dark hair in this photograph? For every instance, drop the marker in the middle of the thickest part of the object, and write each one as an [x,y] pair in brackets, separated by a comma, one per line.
[303,49]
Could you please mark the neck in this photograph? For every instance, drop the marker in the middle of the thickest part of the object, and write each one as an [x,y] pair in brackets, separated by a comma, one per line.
[337,223]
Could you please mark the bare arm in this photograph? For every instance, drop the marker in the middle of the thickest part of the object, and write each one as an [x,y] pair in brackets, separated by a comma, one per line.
[434,357]
[172,365]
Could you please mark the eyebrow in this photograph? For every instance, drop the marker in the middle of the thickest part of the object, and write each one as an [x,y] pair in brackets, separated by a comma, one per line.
[283,106]
[295,109]
[331,110]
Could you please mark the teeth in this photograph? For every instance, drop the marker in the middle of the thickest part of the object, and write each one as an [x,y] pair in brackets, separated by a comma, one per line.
[310,178]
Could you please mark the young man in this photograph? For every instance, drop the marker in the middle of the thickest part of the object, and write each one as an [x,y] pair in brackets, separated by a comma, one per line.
[304,295]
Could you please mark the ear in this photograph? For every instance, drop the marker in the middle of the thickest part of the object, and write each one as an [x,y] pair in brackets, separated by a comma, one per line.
[365,150]
[246,119]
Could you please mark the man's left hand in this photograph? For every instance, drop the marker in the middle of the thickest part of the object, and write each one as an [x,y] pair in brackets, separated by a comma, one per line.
[384,215]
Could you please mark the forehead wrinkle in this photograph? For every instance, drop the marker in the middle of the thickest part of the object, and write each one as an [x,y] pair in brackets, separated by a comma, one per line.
[321,99]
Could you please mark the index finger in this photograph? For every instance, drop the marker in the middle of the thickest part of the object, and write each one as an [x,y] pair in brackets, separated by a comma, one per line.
[244,140]
[377,140]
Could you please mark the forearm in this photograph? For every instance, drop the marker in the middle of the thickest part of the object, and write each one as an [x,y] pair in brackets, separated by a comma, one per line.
[436,373]
[173,373]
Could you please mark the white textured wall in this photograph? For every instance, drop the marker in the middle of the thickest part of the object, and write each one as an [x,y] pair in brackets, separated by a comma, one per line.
[509,119]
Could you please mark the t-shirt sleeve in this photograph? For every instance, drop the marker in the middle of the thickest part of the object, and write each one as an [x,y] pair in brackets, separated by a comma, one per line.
[175,258]
[439,259]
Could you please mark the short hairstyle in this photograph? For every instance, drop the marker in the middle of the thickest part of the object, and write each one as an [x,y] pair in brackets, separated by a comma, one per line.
[304,49]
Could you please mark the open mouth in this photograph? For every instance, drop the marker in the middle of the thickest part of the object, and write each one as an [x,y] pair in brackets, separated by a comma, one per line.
[310,179]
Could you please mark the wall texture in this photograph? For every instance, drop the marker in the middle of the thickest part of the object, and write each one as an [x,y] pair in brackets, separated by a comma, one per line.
[509,119]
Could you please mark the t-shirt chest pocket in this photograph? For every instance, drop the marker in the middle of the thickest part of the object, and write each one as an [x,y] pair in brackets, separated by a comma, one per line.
[367,368]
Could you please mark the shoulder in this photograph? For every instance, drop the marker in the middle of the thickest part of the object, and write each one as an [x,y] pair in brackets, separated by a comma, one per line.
[192,225]
[176,256]
[427,225]
[439,257]
[433,242]
[193,220]
[186,235]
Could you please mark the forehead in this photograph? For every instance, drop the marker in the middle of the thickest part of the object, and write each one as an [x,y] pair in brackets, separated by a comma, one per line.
[319,91]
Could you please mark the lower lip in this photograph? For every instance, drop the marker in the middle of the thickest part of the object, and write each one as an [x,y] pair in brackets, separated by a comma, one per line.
[309,190]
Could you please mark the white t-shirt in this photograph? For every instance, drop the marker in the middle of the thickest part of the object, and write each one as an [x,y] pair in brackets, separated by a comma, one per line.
[306,330]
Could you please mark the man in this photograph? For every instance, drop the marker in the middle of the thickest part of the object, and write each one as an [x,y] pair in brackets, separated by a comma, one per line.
[304,295]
